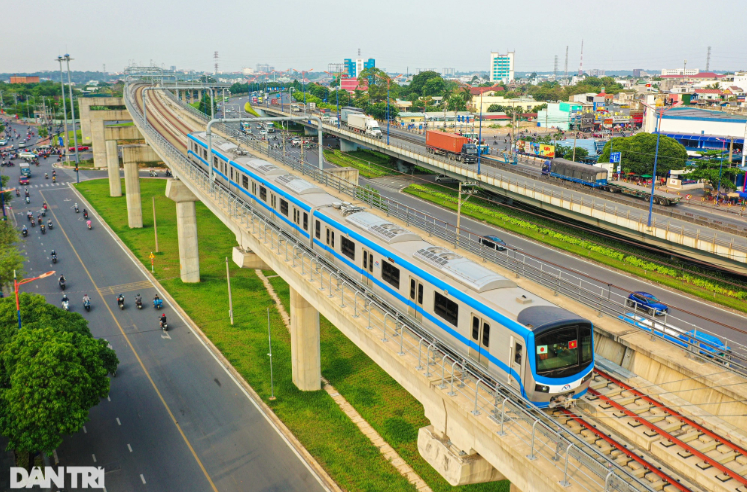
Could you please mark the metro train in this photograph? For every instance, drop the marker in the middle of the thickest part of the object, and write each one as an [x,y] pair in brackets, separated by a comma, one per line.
[541,350]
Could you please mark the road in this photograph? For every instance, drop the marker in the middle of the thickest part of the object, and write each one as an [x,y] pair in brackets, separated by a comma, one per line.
[174,418]
[693,312]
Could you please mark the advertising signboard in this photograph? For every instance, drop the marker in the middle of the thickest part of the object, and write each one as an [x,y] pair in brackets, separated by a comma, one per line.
[535,149]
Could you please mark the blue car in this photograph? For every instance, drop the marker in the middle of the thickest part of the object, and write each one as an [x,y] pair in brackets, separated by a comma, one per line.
[647,302]
[493,242]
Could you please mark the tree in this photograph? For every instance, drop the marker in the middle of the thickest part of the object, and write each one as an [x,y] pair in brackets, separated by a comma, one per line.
[566,152]
[419,81]
[639,150]
[10,258]
[51,373]
[495,108]
[434,87]
[713,169]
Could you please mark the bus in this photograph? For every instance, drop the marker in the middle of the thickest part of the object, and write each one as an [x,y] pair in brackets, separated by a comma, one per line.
[26,170]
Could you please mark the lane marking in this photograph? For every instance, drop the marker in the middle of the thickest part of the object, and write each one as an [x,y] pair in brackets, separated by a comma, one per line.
[129,447]
[84,430]
[94,458]
[142,365]
[118,422]
[142,478]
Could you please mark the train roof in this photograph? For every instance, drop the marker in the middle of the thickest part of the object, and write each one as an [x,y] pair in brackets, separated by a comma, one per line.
[381,228]
[542,318]
[467,272]
[297,185]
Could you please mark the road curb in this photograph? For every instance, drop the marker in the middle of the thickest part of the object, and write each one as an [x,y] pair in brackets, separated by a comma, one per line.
[274,420]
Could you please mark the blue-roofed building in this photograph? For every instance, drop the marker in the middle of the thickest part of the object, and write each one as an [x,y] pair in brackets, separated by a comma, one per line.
[355,67]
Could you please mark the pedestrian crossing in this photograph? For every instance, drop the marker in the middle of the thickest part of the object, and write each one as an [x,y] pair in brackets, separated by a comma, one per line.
[44,185]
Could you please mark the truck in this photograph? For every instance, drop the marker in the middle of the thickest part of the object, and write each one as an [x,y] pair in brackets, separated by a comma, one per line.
[26,170]
[312,106]
[347,111]
[361,123]
[451,145]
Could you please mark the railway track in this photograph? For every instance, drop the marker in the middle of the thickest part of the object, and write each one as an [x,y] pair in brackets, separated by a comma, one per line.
[655,441]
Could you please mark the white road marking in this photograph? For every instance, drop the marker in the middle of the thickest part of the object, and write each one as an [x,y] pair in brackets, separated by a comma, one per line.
[118,422]
[129,447]
[94,458]
[84,430]
[165,335]
[142,478]
[108,398]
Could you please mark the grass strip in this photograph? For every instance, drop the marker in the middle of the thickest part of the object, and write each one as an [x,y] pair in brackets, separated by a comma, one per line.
[368,168]
[491,214]
[314,417]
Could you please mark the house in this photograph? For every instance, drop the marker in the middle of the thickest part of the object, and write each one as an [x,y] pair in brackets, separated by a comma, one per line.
[485,91]
[701,95]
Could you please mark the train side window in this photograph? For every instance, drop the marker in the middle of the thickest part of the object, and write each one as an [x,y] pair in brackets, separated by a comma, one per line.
[390,273]
[263,193]
[412,289]
[475,328]
[370,262]
[215,161]
[231,174]
[254,188]
[333,240]
[486,335]
[244,182]
[284,207]
[328,231]
[420,294]
[446,308]
[347,247]
[365,259]
[517,353]
[274,201]
[305,221]
[318,228]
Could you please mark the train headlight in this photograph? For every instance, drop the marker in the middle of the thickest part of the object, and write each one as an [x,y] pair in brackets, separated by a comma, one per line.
[587,377]
[541,388]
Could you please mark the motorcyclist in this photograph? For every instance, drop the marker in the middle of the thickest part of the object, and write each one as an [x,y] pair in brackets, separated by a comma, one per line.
[162,320]
[49,223]
[85,213]
[120,299]
[53,254]
[30,215]
[86,299]
[65,299]
[62,279]
[88,224]
[76,207]
[25,231]
[138,300]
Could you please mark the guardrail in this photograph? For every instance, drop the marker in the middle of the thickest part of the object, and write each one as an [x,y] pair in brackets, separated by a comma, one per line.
[601,298]
[581,463]
[511,179]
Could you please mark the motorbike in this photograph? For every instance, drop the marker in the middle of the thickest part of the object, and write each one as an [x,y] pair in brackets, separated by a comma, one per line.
[139,303]
[85,214]
[87,305]
[25,232]
[76,209]
[157,303]
[54,179]
[49,225]
[18,193]
[54,258]
[46,176]
[120,302]
[62,284]
[28,200]
[33,222]
[44,212]
[164,325]
[88,223]
[168,173]
[153,174]
[66,305]
[43,229]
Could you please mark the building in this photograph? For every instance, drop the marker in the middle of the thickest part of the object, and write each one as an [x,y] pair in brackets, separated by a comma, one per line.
[20,79]
[559,115]
[485,91]
[702,129]
[351,84]
[264,68]
[679,71]
[501,67]
[706,95]
[524,104]
[355,67]
[448,72]
[247,71]
[637,72]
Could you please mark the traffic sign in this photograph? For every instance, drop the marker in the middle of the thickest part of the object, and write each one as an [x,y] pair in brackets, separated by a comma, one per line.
[615,157]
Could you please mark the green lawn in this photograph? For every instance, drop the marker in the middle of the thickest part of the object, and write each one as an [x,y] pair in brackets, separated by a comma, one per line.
[435,194]
[370,164]
[313,417]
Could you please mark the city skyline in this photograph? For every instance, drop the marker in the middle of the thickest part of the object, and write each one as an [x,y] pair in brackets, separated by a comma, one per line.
[128,36]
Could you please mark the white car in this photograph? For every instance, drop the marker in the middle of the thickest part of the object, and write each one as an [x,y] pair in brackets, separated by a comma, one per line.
[263,132]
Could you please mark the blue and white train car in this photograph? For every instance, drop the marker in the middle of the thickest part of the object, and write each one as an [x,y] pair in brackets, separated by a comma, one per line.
[585,174]
[543,351]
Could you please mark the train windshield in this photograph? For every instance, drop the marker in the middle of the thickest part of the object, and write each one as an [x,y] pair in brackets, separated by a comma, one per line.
[564,351]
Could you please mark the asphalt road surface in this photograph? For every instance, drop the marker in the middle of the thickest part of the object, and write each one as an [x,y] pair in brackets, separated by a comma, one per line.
[174,418]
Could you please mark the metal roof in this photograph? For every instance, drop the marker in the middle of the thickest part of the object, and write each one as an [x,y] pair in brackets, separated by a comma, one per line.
[541,318]
[298,185]
[464,271]
[261,166]
[382,228]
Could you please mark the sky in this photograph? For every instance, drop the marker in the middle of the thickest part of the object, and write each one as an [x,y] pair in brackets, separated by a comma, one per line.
[402,35]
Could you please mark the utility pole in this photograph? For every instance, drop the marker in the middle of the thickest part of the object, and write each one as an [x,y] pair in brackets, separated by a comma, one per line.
[708,66]
[64,110]
[566,63]
[555,70]
[72,115]
[230,298]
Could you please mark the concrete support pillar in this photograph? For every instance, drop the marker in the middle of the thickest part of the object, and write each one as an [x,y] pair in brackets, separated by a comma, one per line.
[248,259]
[186,227]
[514,488]
[305,350]
[405,167]
[112,165]
[98,143]
[348,146]
[132,192]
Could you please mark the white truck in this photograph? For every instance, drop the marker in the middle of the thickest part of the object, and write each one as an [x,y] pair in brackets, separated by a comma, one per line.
[361,123]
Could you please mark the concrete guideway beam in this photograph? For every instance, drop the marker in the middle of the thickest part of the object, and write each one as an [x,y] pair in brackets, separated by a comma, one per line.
[112,166]
[248,259]
[132,190]
[305,348]
[186,225]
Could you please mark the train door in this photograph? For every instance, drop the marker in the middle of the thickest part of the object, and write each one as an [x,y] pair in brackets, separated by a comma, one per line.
[368,267]
[416,299]
[516,361]
[480,346]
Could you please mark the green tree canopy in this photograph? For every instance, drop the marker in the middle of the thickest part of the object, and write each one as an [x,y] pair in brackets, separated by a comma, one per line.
[566,152]
[10,258]
[51,373]
[715,170]
[420,80]
[639,150]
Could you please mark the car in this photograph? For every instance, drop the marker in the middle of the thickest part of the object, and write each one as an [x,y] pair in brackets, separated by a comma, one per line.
[3,142]
[23,180]
[493,242]
[647,302]
[443,178]
[263,132]
[80,148]
[21,145]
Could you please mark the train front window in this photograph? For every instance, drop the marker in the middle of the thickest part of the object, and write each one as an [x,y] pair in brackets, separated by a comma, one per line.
[564,351]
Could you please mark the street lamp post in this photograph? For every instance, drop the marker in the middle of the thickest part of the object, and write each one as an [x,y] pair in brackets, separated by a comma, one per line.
[72,115]
[659,115]
[479,138]
[17,284]
[64,109]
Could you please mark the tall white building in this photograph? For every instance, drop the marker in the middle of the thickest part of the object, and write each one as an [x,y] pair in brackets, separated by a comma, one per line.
[678,71]
[502,67]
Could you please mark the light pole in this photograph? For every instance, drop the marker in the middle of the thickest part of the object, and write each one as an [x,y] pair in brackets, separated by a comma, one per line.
[17,284]
[72,115]
[479,138]
[656,159]
[64,109]
[720,167]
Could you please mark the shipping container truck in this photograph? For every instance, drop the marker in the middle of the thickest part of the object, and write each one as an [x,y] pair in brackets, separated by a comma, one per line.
[346,111]
[361,123]
[451,145]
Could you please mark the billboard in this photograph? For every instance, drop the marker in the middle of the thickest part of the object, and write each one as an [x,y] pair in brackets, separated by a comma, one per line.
[535,149]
